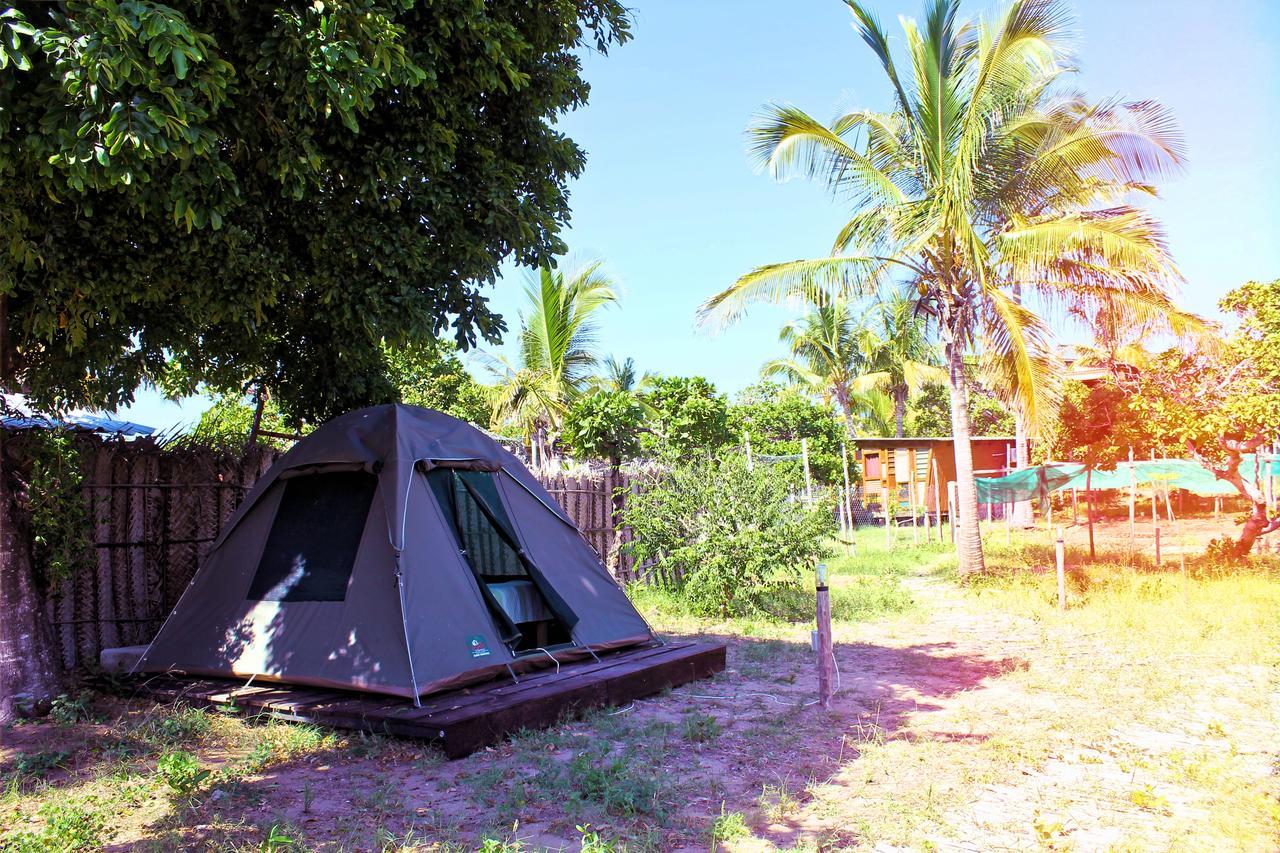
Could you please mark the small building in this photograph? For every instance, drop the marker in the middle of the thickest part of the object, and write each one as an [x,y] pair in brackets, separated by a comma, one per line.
[907,469]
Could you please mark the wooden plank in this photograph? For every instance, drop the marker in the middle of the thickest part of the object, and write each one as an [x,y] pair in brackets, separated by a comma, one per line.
[467,719]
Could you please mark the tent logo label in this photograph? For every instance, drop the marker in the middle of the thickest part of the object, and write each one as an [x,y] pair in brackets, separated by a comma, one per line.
[478,646]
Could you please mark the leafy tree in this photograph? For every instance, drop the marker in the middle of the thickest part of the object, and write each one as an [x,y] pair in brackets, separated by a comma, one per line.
[228,422]
[929,414]
[724,535]
[986,172]
[685,416]
[557,353]
[430,374]
[264,196]
[605,425]
[1222,402]
[1097,425]
[777,418]
[261,195]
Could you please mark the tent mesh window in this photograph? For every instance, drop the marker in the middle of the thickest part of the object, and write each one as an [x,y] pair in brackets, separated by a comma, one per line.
[509,587]
[311,549]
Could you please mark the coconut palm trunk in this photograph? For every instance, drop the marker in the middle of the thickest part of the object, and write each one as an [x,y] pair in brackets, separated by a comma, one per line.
[900,394]
[968,534]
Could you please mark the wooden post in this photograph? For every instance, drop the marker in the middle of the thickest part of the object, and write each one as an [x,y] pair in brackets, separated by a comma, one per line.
[1157,546]
[1133,503]
[1060,553]
[1154,520]
[848,494]
[808,483]
[953,502]
[937,496]
[826,661]
[1075,503]
[1217,506]
[1088,507]
[746,440]
[1008,522]
[884,497]
[915,529]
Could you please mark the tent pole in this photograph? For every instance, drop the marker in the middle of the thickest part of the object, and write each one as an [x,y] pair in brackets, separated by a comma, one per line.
[404,621]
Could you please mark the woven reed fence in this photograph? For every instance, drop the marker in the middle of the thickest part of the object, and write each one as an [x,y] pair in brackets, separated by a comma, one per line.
[156,511]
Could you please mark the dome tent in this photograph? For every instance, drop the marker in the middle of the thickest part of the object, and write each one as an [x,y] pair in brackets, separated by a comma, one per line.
[396,550]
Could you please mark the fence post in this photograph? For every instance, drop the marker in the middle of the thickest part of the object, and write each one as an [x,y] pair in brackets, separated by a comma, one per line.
[953,507]
[884,497]
[826,661]
[937,497]
[848,495]
[1154,520]
[808,483]
[1157,546]
[1060,549]
[1133,502]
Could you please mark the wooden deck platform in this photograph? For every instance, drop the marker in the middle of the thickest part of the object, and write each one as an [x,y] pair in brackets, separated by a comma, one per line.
[465,720]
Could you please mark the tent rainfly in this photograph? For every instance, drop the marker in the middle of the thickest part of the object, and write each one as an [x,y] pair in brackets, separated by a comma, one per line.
[395,550]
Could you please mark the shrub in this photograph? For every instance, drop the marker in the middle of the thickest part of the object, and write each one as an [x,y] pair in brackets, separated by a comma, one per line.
[181,771]
[67,710]
[724,536]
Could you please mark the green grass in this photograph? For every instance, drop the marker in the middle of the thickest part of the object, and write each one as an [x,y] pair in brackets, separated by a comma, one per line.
[866,584]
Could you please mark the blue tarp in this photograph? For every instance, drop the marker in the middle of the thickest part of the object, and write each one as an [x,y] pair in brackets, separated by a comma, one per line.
[1037,482]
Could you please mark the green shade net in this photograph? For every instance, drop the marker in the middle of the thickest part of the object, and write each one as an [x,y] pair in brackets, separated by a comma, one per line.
[1037,482]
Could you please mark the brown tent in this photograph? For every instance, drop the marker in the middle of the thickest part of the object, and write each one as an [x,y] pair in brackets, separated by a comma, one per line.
[396,550]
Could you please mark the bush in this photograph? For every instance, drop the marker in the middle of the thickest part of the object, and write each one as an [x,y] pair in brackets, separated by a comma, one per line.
[724,536]
[181,771]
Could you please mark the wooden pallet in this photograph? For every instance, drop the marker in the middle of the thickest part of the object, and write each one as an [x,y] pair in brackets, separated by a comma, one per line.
[462,720]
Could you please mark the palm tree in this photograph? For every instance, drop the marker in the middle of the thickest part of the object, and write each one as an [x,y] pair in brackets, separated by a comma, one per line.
[557,353]
[621,376]
[899,356]
[858,362]
[825,358]
[981,176]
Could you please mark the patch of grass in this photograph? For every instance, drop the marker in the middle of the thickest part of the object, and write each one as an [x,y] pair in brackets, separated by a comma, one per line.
[182,772]
[728,826]
[68,826]
[699,727]
[777,803]
[36,764]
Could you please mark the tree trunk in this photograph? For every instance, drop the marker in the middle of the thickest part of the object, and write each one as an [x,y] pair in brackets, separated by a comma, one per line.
[968,535]
[899,410]
[29,673]
[1257,524]
[1023,513]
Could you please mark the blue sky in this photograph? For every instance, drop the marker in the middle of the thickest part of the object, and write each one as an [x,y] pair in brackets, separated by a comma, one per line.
[671,203]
